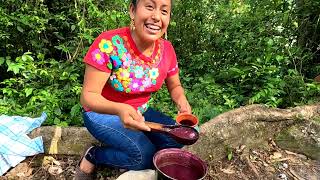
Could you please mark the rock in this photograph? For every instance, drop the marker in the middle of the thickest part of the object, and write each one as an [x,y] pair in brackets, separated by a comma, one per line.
[302,138]
[147,174]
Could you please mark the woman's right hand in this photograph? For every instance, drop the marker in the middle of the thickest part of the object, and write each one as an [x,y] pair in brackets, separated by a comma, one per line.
[132,118]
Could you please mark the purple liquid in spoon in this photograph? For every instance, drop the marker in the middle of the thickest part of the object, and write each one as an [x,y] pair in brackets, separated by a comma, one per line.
[185,135]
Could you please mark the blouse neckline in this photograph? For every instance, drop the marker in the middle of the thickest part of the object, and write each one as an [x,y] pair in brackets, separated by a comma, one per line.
[138,52]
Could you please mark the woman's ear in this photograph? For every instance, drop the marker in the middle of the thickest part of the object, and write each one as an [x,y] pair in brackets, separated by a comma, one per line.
[132,11]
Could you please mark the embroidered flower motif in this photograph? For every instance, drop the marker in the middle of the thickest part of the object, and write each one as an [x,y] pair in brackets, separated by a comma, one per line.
[126,59]
[117,40]
[98,56]
[154,82]
[105,46]
[146,82]
[128,90]
[125,84]
[117,85]
[123,74]
[121,51]
[116,62]
[135,84]
[141,88]
[154,73]
[143,108]
[138,72]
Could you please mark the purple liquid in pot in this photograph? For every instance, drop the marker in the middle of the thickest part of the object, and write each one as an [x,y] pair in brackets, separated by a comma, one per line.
[180,172]
[187,122]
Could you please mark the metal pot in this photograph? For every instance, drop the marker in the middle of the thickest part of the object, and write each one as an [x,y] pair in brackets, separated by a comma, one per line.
[178,164]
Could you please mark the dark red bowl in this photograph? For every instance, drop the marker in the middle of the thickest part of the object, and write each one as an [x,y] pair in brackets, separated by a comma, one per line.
[178,164]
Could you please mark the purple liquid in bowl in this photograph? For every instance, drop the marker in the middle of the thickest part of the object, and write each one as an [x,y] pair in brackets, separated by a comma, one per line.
[179,164]
[180,172]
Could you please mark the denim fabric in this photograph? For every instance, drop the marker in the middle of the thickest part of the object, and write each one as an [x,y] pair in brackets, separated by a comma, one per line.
[126,148]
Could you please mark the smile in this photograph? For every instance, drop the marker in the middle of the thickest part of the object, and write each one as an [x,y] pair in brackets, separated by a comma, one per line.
[152,28]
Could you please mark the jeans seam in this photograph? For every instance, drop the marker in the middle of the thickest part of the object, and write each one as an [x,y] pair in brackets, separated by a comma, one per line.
[114,130]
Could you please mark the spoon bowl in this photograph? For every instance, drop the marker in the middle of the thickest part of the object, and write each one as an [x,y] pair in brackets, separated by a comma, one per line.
[183,134]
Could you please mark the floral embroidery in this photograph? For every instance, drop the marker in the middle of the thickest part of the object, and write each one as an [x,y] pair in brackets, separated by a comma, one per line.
[135,84]
[130,73]
[146,82]
[117,85]
[143,108]
[126,60]
[109,65]
[123,74]
[116,62]
[118,42]
[98,56]
[105,46]
[154,73]
[138,70]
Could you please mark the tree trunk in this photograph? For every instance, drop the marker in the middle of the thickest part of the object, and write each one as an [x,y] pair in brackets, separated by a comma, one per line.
[251,125]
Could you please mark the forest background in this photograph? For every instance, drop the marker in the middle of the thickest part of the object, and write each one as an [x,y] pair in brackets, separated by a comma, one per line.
[231,53]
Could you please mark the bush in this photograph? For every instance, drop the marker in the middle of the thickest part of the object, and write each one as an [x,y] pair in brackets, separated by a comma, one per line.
[231,53]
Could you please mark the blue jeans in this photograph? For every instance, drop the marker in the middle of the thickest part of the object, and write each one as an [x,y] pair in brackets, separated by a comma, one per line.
[126,148]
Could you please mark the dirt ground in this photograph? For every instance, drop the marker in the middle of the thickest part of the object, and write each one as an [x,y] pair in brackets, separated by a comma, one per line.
[274,163]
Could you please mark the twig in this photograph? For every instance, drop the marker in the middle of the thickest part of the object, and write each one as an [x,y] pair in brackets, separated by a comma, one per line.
[252,167]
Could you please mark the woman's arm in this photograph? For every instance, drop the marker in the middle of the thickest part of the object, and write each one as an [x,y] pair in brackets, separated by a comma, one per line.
[177,93]
[94,81]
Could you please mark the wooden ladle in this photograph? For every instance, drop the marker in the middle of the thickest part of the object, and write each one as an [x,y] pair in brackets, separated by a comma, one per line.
[183,134]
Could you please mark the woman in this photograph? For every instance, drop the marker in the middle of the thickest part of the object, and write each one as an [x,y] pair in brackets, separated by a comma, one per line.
[123,67]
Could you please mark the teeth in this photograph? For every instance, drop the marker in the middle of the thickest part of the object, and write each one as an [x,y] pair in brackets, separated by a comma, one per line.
[153,27]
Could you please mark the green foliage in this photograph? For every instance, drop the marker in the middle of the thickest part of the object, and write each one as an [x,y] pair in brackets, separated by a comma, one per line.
[231,53]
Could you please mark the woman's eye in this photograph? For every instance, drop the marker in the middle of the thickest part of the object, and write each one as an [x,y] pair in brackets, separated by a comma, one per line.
[164,12]
[149,7]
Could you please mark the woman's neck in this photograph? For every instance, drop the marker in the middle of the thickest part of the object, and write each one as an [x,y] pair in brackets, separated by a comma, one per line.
[144,47]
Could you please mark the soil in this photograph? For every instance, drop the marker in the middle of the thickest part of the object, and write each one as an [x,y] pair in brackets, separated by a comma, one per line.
[273,163]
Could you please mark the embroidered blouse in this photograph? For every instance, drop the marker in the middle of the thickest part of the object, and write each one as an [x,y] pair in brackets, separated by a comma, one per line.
[133,76]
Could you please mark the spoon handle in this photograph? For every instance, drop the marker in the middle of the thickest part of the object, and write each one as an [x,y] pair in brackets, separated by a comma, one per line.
[156,127]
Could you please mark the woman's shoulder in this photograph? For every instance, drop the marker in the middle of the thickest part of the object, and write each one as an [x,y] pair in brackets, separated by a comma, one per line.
[167,44]
[113,32]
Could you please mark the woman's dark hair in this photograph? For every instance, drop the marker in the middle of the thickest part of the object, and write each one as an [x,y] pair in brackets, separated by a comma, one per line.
[134,2]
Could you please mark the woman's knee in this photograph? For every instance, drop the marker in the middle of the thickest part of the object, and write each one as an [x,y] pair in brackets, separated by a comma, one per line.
[144,159]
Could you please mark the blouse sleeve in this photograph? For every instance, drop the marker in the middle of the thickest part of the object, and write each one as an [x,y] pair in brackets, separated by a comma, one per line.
[173,64]
[98,54]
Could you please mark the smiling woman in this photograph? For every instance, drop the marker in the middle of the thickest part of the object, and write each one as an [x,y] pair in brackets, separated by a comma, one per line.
[123,67]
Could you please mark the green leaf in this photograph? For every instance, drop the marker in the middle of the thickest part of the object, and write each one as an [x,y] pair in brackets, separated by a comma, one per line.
[1,60]
[56,121]
[73,27]
[15,67]
[74,110]
[230,155]
[20,29]
[57,111]
[28,91]
[63,124]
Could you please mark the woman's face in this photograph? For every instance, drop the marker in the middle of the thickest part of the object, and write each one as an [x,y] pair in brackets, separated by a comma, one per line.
[151,18]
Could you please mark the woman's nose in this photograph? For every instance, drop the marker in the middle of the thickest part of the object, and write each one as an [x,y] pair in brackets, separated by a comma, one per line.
[156,15]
